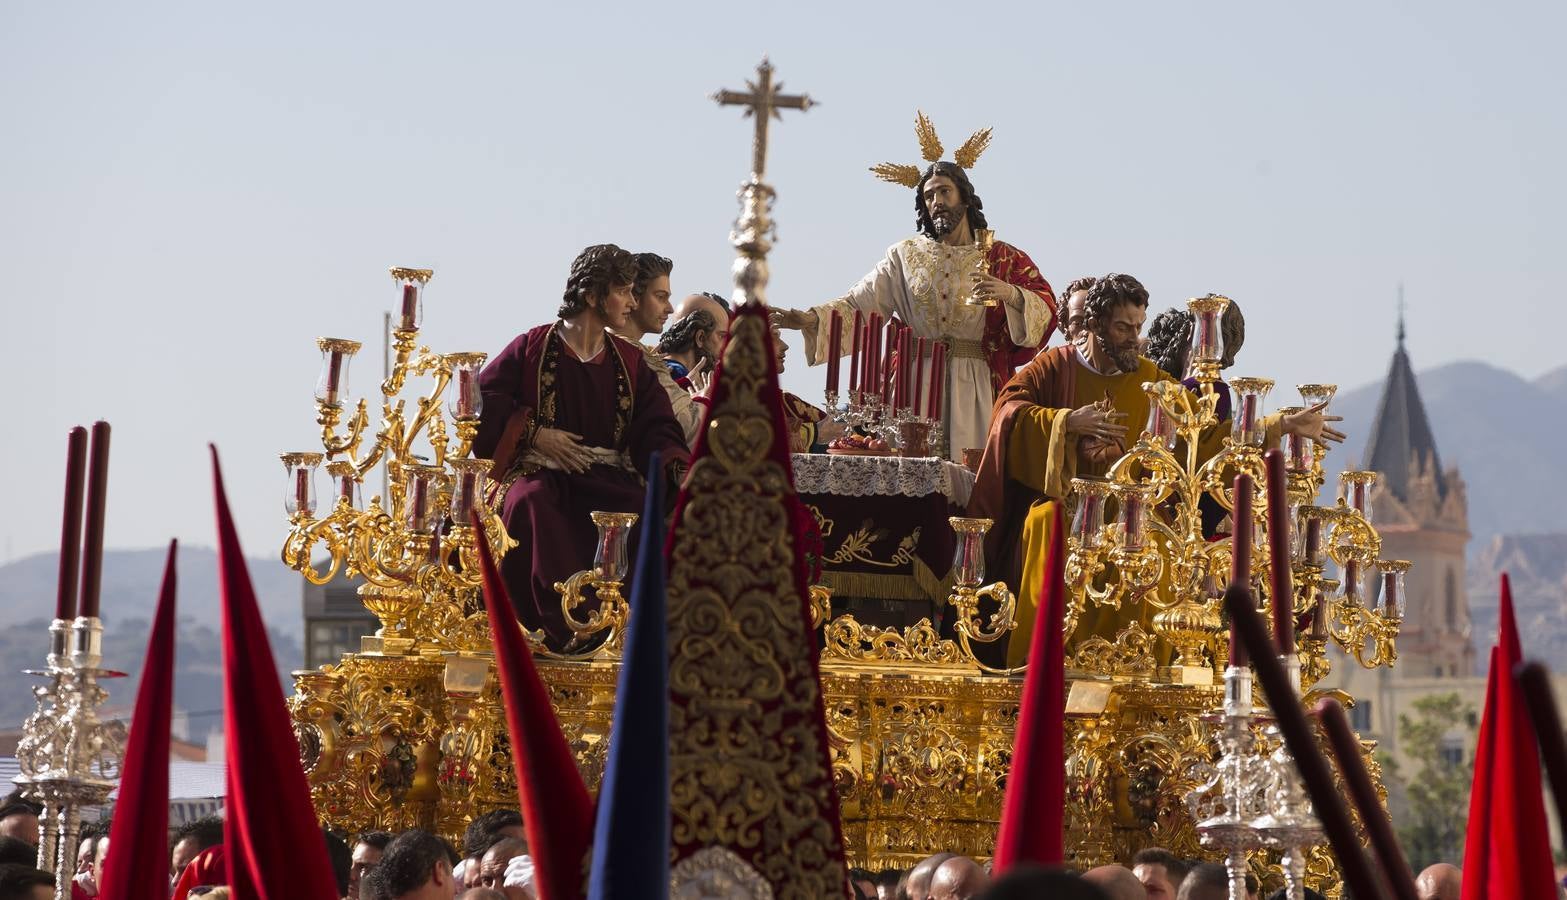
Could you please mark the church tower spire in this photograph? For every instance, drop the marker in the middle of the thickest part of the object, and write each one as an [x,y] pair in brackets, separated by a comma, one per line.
[1423,515]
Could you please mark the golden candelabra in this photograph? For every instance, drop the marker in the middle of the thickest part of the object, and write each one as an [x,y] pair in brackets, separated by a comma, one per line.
[1138,534]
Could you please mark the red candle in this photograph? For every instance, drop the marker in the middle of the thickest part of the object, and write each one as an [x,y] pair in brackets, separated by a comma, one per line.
[854,358]
[1282,591]
[1346,749]
[71,525]
[302,490]
[410,311]
[1249,413]
[1297,732]
[889,362]
[938,365]
[97,496]
[1243,531]
[907,372]
[1313,541]
[873,350]
[834,348]
[465,393]
[334,374]
[919,376]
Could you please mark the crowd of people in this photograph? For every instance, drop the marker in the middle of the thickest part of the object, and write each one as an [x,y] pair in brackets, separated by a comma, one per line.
[493,864]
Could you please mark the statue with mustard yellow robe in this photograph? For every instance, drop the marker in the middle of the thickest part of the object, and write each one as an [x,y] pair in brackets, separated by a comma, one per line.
[1064,416]
[984,299]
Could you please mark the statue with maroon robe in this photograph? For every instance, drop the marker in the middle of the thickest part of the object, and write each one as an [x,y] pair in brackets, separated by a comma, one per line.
[572,415]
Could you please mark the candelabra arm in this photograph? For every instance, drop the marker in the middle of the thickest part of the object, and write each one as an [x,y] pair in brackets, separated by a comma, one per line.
[821,605]
[328,416]
[306,534]
[612,613]
[970,628]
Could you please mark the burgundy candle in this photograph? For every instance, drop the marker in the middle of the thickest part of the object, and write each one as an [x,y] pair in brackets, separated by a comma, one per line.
[1249,413]
[418,504]
[873,350]
[465,393]
[1346,749]
[1282,591]
[854,358]
[71,524]
[1297,732]
[905,367]
[92,544]
[1313,541]
[334,374]
[410,311]
[919,376]
[834,348]
[1244,530]
[889,362]
[302,491]
[1535,681]
[938,369]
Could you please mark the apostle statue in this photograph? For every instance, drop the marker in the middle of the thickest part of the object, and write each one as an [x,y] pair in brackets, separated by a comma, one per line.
[651,310]
[572,416]
[1065,415]
[942,282]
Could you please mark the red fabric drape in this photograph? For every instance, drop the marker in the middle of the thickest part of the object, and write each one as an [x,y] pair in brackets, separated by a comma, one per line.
[557,812]
[1034,808]
[138,869]
[1507,853]
[275,847]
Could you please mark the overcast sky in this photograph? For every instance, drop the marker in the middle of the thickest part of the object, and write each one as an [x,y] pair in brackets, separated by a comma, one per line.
[191,193]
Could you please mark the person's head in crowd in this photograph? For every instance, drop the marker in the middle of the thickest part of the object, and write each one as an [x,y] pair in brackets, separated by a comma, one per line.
[367,852]
[865,880]
[959,878]
[916,886]
[1443,881]
[1028,882]
[207,868]
[887,881]
[17,852]
[1253,887]
[492,866]
[1160,871]
[190,839]
[19,819]
[415,866]
[341,858]
[1205,881]
[25,882]
[482,893]
[482,831]
[1117,882]
[100,853]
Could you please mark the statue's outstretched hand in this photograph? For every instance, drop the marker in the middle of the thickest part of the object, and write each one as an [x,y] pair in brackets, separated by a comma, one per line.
[1312,423]
[799,320]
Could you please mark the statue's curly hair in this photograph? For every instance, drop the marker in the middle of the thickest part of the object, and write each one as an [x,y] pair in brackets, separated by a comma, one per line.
[681,335]
[1170,341]
[1107,293]
[594,272]
[922,221]
[649,267]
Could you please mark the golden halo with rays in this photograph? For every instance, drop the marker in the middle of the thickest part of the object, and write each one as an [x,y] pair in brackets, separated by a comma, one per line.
[931,149]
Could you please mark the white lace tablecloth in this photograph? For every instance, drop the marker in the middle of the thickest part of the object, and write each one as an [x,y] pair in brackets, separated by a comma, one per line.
[863,476]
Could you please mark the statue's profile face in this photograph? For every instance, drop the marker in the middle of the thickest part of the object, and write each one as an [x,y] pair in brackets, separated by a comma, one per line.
[944,202]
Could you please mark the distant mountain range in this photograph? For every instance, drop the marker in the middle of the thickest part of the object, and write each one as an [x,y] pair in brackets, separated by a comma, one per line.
[130,594]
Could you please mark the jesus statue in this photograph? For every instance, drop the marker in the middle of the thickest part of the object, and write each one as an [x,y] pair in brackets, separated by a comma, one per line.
[929,281]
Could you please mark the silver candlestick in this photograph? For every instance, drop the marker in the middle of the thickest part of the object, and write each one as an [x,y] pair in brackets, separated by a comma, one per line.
[69,757]
[1289,824]
[1230,799]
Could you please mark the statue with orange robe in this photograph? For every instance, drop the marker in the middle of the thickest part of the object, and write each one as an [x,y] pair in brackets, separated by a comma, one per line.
[1064,416]
[572,415]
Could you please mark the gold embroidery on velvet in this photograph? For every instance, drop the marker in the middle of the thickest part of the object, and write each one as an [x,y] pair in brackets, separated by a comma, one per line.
[747,763]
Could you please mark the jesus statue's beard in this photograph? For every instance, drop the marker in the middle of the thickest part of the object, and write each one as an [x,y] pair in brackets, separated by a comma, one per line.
[945,221]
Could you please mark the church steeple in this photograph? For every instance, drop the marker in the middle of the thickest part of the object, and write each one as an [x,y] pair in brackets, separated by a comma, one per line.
[1401,441]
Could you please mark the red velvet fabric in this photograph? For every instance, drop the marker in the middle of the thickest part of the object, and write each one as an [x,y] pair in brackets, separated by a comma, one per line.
[138,869]
[557,812]
[275,847]
[816,768]
[1507,854]
[209,867]
[1033,811]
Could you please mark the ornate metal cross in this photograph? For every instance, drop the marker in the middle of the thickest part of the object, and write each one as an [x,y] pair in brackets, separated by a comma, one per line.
[763,102]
